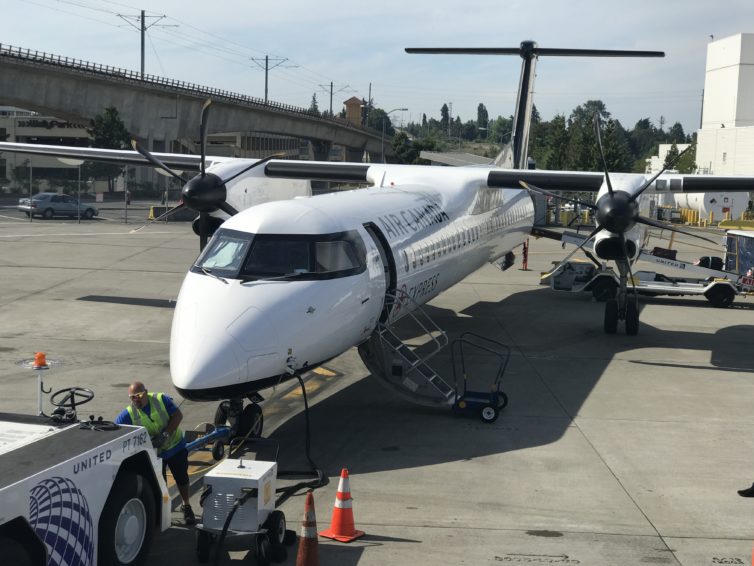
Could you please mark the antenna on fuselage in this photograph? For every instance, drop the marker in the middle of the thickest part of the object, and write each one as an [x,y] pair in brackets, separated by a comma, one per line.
[529,52]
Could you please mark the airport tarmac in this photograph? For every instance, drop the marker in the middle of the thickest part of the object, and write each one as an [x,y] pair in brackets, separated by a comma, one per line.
[613,450]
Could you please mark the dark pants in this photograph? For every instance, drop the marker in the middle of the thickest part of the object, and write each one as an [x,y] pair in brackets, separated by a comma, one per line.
[178,464]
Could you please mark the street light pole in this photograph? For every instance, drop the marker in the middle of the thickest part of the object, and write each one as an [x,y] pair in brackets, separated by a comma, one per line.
[31,216]
[382,141]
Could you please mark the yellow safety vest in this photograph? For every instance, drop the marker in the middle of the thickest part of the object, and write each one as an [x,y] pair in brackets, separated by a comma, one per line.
[155,421]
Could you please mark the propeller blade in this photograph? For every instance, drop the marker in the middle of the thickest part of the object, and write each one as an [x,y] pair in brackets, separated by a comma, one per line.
[203,229]
[257,164]
[162,216]
[534,188]
[602,154]
[665,168]
[581,245]
[226,208]
[663,226]
[154,161]
[203,134]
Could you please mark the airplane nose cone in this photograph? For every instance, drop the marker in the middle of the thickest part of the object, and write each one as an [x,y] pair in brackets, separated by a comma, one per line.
[200,357]
[221,347]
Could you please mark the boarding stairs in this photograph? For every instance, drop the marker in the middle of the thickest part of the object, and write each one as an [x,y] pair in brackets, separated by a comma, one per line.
[402,365]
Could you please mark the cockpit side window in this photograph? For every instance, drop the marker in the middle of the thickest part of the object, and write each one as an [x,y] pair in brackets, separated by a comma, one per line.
[339,255]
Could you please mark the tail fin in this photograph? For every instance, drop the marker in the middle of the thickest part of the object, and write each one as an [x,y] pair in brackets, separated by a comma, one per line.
[529,52]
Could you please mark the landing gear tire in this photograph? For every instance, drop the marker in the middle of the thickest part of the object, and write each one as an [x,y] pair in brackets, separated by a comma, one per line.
[611,316]
[127,524]
[203,545]
[489,414]
[263,550]
[251,421]
[221,414]
[632,317]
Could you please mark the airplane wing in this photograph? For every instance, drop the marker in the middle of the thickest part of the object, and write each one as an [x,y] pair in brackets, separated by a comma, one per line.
[591,182]
[183,162]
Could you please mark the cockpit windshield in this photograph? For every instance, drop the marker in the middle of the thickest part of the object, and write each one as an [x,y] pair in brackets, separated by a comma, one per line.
[225,252]
[239,255]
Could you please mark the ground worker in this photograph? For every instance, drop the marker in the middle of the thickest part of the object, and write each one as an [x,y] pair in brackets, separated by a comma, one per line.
[158,414]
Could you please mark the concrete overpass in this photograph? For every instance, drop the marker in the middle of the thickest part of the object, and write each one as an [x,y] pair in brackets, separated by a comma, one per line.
[160,110]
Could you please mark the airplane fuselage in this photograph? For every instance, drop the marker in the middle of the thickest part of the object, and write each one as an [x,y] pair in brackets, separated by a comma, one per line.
[313,276]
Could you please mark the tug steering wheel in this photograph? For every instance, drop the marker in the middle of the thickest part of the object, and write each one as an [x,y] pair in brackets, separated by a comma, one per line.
[71,397]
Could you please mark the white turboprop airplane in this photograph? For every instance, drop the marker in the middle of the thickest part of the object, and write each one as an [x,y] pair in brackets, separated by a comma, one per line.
[285,286]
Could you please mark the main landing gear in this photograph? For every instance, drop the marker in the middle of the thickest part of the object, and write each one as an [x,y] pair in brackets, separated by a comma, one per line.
[244,422]
[622,306]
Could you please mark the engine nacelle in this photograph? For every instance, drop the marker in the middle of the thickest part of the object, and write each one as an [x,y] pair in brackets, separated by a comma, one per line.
[214,224]
[608,246]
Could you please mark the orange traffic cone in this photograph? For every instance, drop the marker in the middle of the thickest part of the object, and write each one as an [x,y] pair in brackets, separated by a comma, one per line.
[342,526]
[308,549]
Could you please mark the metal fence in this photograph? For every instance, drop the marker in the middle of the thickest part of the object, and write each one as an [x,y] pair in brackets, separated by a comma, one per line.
[116,73]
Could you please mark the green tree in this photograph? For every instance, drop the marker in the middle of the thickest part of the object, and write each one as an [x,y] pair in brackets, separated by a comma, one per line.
[671,157]
[558,144]
[687,162]
[676,134]
[106,131]
[482,116]
[313,106]
[583,154]
[377,118]
[445,118]
[615,145]
[408,151]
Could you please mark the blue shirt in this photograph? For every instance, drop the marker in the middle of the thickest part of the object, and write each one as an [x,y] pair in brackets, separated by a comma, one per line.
[125,418]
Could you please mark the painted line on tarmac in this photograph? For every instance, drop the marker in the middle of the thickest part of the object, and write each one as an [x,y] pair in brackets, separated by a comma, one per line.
[78,234]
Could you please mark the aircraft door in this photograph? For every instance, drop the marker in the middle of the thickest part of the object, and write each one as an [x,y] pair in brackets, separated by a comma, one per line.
[387,262]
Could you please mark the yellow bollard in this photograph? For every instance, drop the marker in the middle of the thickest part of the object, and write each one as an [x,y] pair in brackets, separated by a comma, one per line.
[711,217]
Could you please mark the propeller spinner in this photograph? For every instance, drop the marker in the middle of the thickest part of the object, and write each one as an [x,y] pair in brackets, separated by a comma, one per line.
[204,193]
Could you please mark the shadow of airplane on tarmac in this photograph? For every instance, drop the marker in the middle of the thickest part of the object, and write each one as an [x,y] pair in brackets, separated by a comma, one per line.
[559,353]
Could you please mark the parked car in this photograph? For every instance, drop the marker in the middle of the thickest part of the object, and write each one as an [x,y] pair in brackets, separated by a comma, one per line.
[48,205]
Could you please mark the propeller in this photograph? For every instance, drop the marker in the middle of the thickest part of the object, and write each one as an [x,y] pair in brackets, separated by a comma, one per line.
[204,193]
[618,211]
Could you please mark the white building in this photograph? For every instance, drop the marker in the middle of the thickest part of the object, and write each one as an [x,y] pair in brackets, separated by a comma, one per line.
[22,126]
[656,162]
[725,143]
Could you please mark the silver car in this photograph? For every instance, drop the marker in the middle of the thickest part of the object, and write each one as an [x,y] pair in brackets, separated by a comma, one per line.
[48,205]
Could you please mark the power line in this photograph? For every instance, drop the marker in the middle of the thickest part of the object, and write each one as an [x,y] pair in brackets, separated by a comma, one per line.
[143,29]
[278,62]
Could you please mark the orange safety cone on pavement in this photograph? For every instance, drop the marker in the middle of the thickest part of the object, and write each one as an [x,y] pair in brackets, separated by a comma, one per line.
[308,548]
[342,526]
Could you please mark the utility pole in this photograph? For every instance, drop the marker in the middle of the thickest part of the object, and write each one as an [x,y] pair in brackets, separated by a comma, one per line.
[279,61]
[142,27]
[324,87]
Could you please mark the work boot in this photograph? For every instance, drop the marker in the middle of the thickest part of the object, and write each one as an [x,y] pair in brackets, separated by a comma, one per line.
[188,515]
[749,492]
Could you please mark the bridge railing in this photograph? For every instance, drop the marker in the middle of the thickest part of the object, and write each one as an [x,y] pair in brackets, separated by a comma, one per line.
[173,84]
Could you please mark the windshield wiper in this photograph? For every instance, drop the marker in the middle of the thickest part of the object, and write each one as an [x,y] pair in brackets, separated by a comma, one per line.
[208,271]
[293,275]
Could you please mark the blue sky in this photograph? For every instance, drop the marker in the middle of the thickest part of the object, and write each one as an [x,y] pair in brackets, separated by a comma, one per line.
[354,44]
